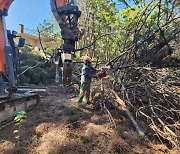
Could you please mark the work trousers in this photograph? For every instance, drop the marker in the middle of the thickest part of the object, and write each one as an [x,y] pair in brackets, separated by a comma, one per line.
[84,91]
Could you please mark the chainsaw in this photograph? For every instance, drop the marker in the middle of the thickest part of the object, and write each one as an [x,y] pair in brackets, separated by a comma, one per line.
[101,74]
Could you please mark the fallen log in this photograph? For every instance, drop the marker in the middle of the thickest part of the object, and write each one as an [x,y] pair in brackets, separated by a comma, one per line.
[158,118]
[124,108]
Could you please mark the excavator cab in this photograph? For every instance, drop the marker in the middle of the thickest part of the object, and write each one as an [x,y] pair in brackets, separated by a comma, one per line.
[9,79]
[21,42]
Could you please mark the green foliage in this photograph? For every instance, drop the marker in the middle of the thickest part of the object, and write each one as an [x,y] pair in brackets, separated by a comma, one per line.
[24,79]
[27,53]
[35,78]
[41,74]
[105,19]
[49,51]
[20,117]
[50,29]
[2,141]
[44,76]
[29,58]
[29,72]
[84,139]
[72,111]
[124,25]
[31,62]
[26,49]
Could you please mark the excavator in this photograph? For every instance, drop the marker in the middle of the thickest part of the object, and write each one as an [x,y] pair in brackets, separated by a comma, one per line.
[67,13]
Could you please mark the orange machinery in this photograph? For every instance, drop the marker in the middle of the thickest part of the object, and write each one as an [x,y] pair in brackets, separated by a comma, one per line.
[4,6]
[66,13]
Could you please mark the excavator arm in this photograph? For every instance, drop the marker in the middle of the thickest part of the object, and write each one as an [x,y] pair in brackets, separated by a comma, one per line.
[7,63]
[4,6]
[67,14]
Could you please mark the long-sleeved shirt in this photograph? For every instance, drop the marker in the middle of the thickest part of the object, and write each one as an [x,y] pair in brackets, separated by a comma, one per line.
[87,71]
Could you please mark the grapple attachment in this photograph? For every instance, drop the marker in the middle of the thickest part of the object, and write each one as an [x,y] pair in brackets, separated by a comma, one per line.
[66,12]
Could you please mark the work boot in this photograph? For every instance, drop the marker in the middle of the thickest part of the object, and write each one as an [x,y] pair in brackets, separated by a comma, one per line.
[87,103]
[79,103]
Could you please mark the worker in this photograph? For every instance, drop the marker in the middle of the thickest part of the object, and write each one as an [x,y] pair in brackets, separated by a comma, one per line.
[88,72]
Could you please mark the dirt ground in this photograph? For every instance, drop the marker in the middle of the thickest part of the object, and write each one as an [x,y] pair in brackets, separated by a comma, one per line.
[57,126]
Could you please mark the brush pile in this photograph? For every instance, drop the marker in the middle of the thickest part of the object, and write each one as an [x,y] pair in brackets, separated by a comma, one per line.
[150,97]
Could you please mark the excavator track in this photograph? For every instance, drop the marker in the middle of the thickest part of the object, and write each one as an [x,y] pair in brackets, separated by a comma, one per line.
[9,107]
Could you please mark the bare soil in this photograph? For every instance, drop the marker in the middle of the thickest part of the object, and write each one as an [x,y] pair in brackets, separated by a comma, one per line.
[57,126]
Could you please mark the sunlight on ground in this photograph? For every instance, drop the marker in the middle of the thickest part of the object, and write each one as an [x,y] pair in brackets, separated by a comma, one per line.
[6,147]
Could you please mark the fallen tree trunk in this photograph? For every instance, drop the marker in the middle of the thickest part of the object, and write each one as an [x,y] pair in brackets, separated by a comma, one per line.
[157,52]
[124,108]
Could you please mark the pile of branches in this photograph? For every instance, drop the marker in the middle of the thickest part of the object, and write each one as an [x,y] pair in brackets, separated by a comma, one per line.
[145,80]
[146,85]
[146,93]
[150,97]
[153,96]
[148,89]
[145,76]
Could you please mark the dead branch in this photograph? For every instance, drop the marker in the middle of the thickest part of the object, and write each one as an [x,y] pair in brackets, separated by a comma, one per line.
[124,108]
[111,119]
[88,46]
